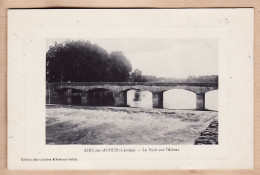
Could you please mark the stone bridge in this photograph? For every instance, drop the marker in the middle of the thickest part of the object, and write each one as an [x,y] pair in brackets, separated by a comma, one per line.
[119,90]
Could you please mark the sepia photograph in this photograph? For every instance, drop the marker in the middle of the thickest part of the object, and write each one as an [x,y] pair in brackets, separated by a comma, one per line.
[132,91]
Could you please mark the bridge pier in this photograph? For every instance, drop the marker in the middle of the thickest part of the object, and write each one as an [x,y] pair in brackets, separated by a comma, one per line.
[120,98]
[69,96]
[48,96]
[157,99]
[200,101]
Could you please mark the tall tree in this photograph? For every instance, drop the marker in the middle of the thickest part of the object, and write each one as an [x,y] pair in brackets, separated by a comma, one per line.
[120,66]
[81,61]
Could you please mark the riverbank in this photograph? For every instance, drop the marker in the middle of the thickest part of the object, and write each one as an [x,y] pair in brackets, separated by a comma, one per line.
[210,135]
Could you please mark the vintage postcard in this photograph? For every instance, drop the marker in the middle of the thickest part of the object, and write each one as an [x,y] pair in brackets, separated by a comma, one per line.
[130,89]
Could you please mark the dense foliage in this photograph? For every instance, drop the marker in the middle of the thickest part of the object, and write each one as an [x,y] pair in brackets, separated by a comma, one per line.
[137,76]
[81,61]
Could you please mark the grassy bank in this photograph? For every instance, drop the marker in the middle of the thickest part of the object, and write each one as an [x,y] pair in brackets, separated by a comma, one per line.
[114,125]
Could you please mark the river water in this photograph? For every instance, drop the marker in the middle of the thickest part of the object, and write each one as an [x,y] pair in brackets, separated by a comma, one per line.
[172,99]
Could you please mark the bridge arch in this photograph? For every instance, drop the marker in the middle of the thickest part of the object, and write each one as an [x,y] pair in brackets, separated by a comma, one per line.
[139,98]
[98,89]
[211,100]
[93,88]
[56,96]
[179,99]
[64,96]
[125,97]
[98,97]
[75,96]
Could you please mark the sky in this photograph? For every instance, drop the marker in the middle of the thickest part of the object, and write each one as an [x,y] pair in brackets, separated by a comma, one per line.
[174,58]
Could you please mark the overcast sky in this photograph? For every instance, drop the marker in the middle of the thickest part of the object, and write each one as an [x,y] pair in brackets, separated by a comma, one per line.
[177,58]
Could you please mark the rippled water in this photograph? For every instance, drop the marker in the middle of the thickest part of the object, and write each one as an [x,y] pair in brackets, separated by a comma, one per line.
[172,99]
[105,125]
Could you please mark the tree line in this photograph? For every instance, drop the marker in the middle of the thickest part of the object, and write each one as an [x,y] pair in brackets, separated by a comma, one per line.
[190,79]
[81,61]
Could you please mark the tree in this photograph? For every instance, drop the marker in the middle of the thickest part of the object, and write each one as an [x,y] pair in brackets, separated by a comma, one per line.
[81,61]
[120,66]
[137,75]
[54,69]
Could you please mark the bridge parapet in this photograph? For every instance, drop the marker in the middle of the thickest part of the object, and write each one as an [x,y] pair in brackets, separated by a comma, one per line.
[204,84]
[197,88]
